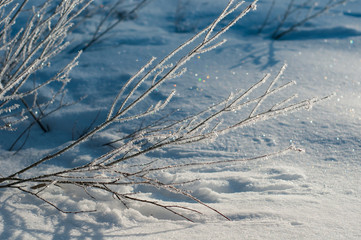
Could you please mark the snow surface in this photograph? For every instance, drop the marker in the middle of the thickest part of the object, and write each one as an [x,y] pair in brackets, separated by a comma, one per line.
[314,195]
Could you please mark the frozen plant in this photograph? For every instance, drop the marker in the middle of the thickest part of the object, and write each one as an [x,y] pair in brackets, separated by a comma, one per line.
[120,167]
[27,48]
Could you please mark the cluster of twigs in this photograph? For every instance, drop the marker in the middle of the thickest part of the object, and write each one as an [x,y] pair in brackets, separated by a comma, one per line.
[116,168]
[112,16]
[26,49]
[296,15]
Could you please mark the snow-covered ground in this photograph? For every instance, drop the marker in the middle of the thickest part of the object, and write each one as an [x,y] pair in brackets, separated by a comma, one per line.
[310,195]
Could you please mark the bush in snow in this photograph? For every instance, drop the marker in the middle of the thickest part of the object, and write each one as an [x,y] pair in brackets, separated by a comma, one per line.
[297,14]
[120,167]
[110,17]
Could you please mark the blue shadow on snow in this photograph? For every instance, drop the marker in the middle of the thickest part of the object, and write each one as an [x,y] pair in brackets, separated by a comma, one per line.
[322,33]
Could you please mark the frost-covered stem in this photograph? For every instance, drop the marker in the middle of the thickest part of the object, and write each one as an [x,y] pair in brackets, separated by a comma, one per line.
[22,70]
[52,39]
[230,106]
[120,93]
[229,161]
[63,150]
[184,59]
[167,207]
[78,180]
[36,119]
[188,137]
[268,90]
[12,21]
[50,203]
[221,16]
[31,48]
[181,62]
[60,76]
